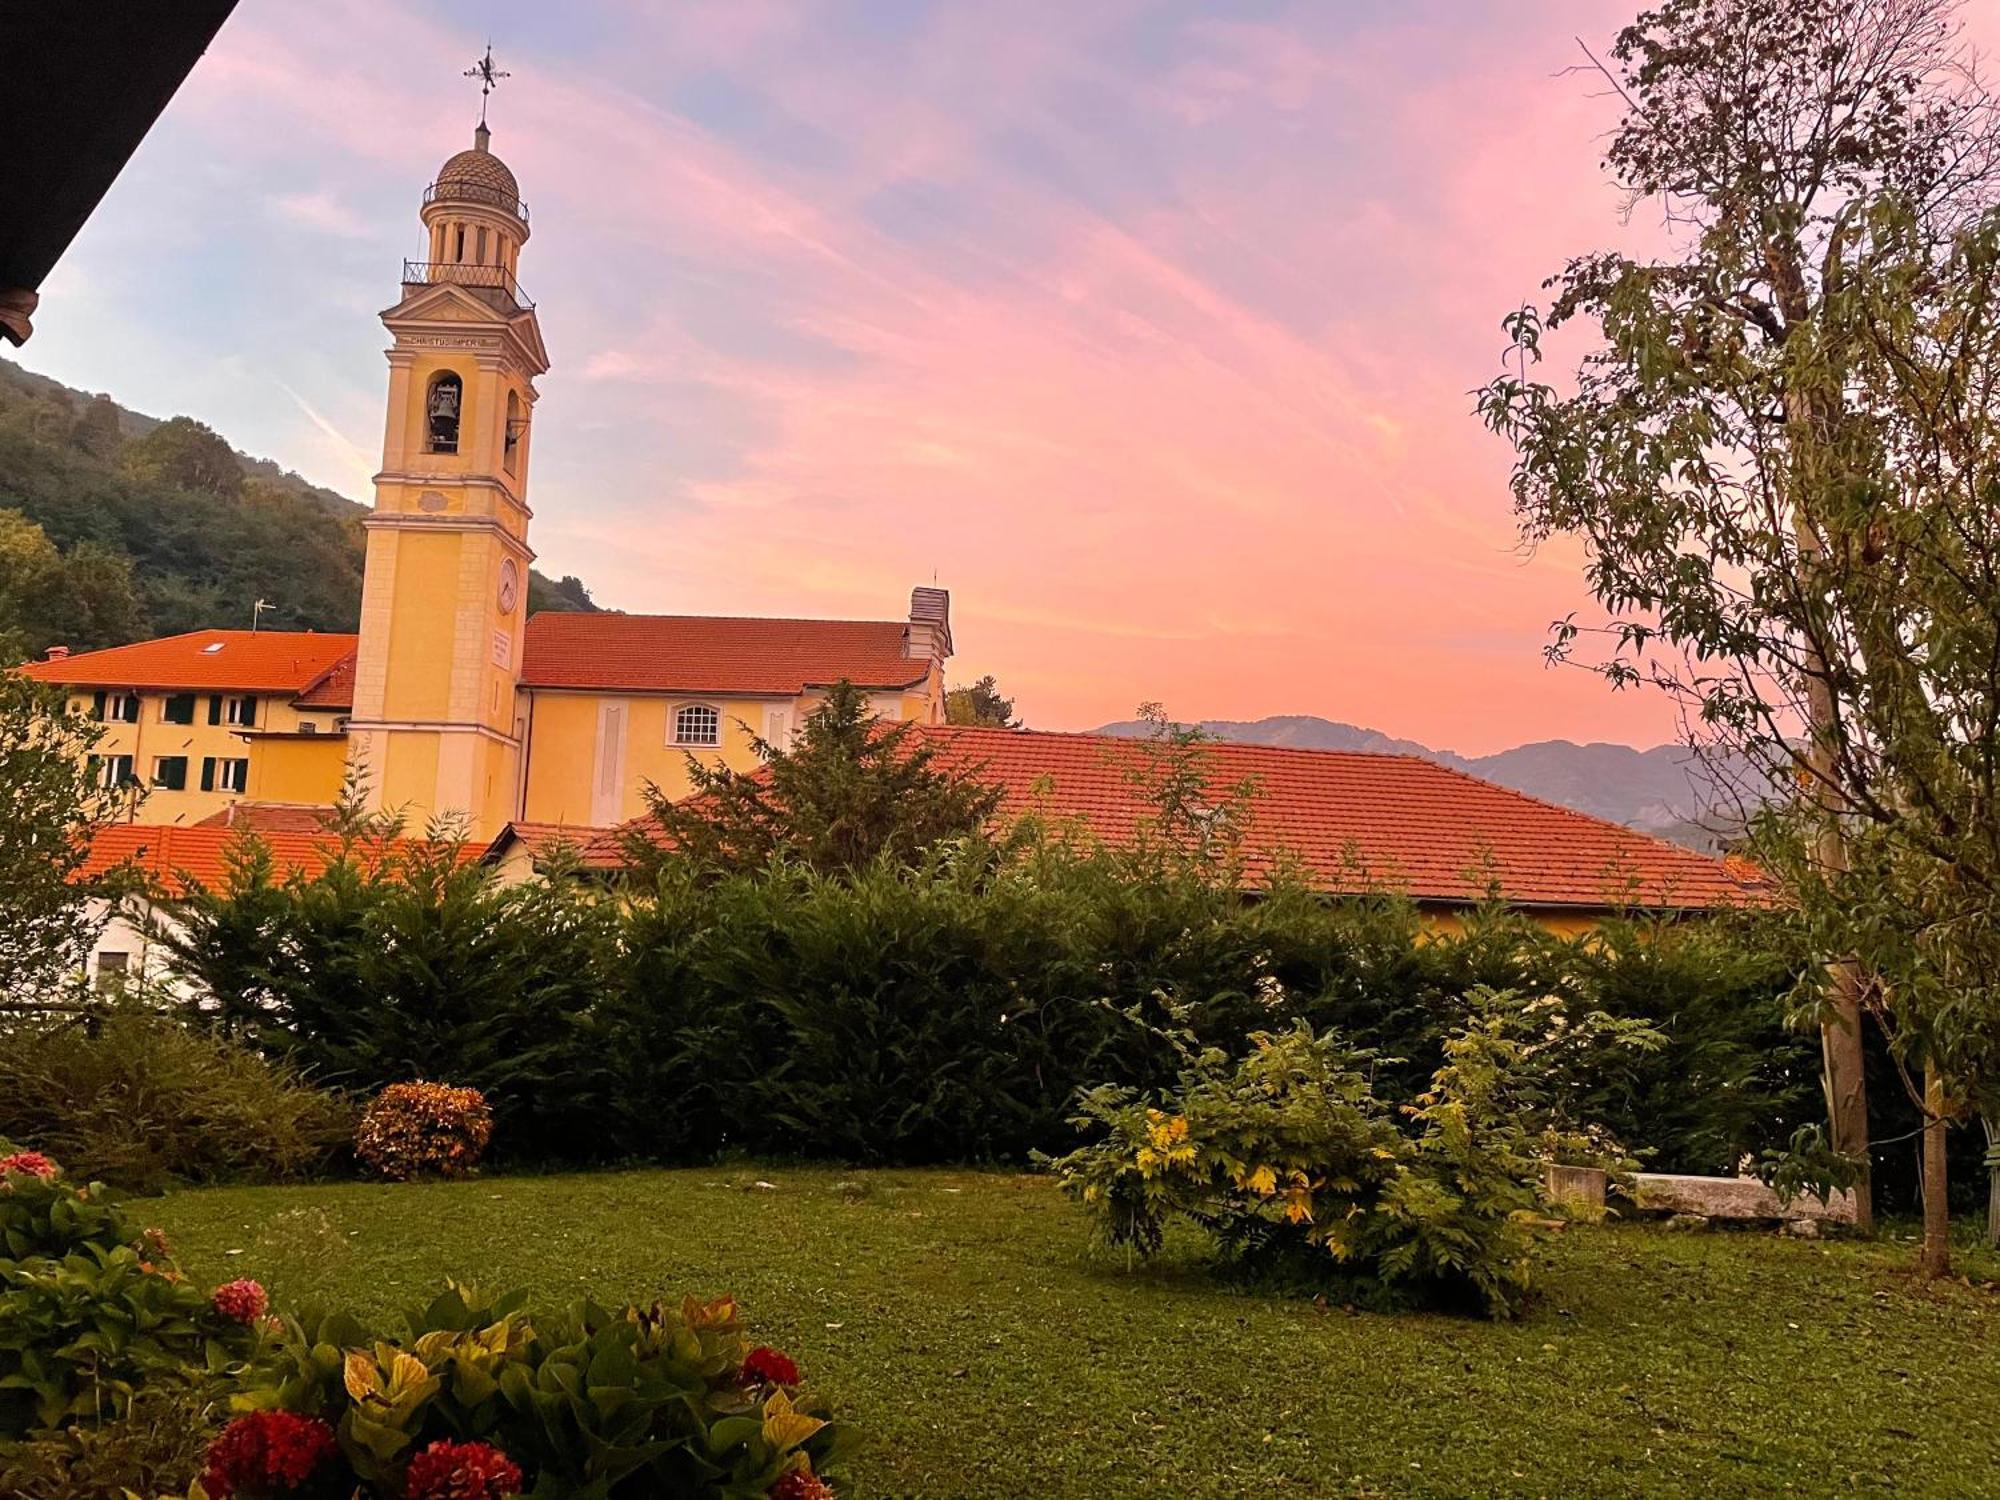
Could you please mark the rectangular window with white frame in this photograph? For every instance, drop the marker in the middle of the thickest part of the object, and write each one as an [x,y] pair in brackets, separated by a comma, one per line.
[697,724]
[221,773]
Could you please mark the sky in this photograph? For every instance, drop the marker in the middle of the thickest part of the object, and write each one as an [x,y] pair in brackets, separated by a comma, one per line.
[1146,327]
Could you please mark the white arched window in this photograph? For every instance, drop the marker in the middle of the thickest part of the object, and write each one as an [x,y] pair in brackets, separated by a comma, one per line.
[697,724]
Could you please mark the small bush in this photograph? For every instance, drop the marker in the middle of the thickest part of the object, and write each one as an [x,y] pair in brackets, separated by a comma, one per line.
[93,1311]
[637,1402]
[423,1129]
[136,1099]
[155,1448]
[1294,1166]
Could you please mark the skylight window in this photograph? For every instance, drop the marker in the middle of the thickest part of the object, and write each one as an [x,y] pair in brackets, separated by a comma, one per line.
[212,647]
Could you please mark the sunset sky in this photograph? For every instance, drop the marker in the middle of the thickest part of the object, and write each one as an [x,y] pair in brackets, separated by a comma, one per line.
[1146,328]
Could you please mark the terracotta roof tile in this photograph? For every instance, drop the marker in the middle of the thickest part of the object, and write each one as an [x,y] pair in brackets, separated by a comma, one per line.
[180,857]
[708,654]
[269,817]
[540,838]
[243,661]
[334,689]
[1352,821]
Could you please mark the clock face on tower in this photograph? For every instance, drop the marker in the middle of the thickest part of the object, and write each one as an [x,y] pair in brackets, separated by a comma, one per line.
[510,586]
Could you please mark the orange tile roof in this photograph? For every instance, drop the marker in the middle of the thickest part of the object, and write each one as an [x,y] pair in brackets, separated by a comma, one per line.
[269,817]
[242,661]
[1352,821]
[540,838]
[180,857]
[335,688]
[708,654]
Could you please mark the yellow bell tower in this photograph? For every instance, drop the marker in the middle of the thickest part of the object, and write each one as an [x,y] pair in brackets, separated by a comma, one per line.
[436,729]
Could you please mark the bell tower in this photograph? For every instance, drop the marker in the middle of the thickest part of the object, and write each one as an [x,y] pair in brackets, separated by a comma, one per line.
[436,728]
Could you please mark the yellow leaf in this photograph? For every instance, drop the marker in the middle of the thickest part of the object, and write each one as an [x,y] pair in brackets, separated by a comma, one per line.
[785,1428]
[360,1375]
[1262,1182]
[407,1370]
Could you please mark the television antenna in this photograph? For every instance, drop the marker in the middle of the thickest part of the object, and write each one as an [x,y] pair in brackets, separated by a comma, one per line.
[257,611]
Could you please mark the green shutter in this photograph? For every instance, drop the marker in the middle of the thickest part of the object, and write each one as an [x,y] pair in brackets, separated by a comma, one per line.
[97,705]
[215,708]
[249,712]
[208,773]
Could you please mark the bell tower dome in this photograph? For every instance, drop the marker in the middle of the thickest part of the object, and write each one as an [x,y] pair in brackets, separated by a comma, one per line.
[436,730]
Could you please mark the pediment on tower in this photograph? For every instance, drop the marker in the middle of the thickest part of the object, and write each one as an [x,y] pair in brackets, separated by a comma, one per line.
[443,302]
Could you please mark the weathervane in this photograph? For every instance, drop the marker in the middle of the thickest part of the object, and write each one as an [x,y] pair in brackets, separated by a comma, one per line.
[489,78]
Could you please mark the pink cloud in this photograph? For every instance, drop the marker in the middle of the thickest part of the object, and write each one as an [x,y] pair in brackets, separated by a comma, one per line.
[1158,358]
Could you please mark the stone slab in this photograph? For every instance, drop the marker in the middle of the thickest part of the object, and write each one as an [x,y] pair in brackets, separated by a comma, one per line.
[1734,1198]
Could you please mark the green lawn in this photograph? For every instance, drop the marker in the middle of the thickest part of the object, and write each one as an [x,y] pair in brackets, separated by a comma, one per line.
[959,1318]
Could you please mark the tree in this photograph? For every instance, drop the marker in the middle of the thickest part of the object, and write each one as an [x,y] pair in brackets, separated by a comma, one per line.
[1720,454]
[96,430]
[980,704]
[84,600]
[188,455]
[850,790]
[49,801]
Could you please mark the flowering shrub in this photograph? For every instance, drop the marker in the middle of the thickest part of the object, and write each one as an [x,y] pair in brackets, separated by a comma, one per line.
[241,1301]
[92,1309]
[413,1129]
[267,1453]
[29,1164]
[462,1471]
[1290,1162]
[481,1400]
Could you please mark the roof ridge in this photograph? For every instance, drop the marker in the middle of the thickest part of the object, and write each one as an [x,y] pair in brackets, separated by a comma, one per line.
[619,614]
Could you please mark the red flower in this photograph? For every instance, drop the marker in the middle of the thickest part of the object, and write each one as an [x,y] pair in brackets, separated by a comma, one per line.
[801,1484]
[462,1471]
[241,1302]
[767,1366]
[30,1164]
[266,1453]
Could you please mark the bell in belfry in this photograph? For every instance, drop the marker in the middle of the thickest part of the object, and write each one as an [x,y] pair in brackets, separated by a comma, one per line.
[444,415]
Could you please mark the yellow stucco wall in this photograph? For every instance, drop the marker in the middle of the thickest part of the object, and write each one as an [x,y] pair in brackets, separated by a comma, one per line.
[284,766]
[569,758]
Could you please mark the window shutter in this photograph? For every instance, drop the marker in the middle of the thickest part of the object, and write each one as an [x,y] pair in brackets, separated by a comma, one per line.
[249,712]
[208,773]
[97,705]
[215,708]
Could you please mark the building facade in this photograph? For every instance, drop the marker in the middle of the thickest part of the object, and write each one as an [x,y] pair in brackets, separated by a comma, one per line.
[451,702]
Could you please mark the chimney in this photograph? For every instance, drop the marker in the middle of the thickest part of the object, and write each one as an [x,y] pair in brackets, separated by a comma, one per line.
[56,653]
[929,634]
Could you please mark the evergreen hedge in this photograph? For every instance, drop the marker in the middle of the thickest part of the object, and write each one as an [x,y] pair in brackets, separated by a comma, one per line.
[948,1012]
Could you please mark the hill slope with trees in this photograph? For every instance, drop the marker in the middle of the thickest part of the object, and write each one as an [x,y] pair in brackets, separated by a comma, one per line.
[116,526]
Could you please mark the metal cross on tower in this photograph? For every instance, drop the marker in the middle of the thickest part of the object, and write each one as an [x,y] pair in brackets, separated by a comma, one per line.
[489,78]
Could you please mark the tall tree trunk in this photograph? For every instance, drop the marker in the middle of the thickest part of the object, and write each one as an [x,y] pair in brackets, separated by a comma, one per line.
[1935,1258]
[1992,1180]
[1843,1074]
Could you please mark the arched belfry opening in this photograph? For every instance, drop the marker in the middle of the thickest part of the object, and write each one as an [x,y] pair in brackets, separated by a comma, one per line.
[444,406]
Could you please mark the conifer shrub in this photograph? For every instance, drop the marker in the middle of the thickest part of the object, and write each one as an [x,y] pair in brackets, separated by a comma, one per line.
[424,1130]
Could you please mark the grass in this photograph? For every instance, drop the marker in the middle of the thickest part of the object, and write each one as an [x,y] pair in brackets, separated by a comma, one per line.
[961,1320]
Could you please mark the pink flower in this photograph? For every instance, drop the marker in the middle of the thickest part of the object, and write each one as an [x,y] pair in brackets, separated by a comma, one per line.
[241,1302]
[266,1453]
[462,1471]
[801,1484]
[30,1164]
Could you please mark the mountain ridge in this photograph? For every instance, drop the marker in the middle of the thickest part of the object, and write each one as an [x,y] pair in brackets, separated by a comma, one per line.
[1658,790]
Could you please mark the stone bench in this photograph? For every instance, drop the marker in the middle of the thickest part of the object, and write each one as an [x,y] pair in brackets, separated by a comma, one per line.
[1740,1198]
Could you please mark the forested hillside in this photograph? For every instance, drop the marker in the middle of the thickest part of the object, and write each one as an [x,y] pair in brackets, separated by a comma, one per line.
[116,526]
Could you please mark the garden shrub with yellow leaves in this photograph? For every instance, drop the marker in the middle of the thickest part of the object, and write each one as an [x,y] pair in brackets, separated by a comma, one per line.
[480,1399]
[424,1129]
[1291,1163]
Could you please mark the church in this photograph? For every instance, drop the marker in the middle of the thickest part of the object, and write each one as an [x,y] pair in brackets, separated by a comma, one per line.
[450,701]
